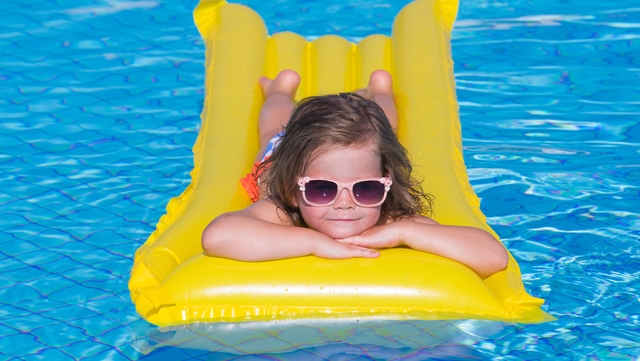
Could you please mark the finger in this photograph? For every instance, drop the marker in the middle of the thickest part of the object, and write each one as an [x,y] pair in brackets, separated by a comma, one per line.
[348,240]
[355,240]
[365,252]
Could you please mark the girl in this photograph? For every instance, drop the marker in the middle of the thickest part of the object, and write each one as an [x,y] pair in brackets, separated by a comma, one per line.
[337,184]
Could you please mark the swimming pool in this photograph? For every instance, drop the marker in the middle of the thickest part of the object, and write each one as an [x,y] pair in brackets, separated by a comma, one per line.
[100,107]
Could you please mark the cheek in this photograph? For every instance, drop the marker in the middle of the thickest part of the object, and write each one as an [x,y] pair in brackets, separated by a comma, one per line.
[312,215]
[309,214]
[372,215]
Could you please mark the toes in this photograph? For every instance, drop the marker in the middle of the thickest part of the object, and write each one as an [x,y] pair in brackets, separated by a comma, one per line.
[380,82]
[286,82]
[264,83]
[289,77]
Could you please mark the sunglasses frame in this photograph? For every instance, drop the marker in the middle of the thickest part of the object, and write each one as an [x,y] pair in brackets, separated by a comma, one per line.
[302,182]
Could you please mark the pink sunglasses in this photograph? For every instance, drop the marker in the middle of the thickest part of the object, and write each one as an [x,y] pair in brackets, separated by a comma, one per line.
[370,192]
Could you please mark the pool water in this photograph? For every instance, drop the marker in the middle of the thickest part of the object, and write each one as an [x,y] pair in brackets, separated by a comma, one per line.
[100,108]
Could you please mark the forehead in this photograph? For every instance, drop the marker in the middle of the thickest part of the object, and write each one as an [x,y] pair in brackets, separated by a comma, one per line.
[345,163]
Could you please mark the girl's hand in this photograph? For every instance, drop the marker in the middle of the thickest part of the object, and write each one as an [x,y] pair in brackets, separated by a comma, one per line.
[336,250]
[470,246]
[385,236]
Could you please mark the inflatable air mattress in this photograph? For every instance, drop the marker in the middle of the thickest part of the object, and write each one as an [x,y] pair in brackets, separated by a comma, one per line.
[173,282]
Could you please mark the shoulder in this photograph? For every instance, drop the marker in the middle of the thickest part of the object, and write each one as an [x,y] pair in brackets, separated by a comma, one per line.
[415,218]
[266,210]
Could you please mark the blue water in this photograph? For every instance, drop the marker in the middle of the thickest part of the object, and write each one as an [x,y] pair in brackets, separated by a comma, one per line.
[99,108]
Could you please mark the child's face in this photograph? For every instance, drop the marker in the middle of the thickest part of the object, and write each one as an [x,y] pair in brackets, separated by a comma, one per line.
[343,218]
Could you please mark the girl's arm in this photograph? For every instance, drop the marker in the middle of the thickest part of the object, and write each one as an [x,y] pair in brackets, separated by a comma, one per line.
[470,246]
[258,233]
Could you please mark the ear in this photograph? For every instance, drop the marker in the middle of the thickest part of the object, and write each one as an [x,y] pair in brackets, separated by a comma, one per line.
[296,200]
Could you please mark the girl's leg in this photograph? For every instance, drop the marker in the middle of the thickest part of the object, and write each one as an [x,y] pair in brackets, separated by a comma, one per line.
[381,89]
[278,105]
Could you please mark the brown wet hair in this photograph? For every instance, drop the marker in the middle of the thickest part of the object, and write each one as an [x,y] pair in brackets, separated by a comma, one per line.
[340,121]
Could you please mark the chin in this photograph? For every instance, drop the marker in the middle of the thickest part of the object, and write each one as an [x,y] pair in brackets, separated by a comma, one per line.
[340,233]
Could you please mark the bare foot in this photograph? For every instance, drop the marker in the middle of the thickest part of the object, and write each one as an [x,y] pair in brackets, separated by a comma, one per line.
[286,82]
[277,107]
[380,82]
[380,88]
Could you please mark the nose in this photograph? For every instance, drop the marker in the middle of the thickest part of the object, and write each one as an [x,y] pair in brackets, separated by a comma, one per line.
[344,200]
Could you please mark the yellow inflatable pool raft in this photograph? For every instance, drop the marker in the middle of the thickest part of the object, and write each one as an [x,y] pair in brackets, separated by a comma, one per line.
[173,282]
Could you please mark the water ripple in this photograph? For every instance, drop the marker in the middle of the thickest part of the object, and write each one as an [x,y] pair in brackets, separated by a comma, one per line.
[100,105]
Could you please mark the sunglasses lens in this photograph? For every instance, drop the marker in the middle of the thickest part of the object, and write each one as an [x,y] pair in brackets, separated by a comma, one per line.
[368,192]
[320,191]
